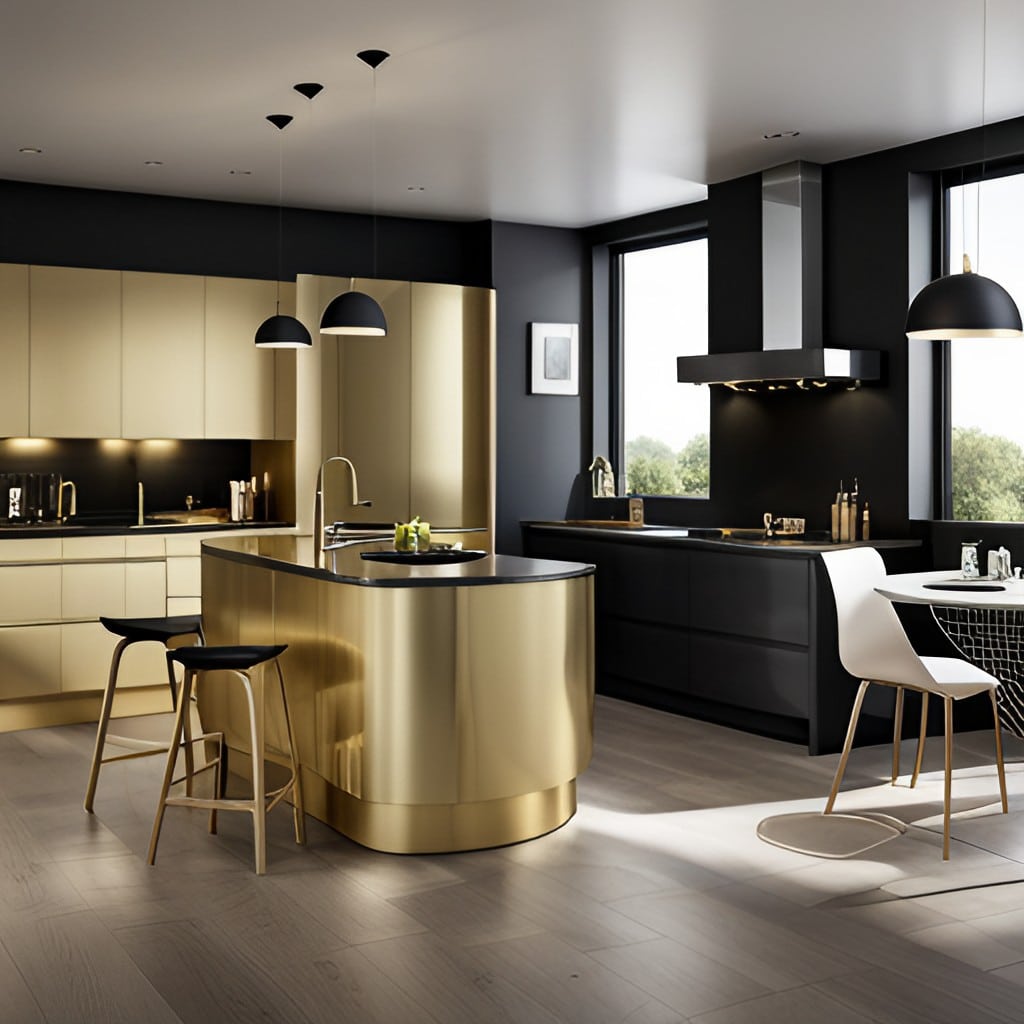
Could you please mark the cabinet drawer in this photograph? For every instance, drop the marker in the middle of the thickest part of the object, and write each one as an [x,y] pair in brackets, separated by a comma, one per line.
[145,589]
[30,549]
[85,652]
[762,598]
[91,548]
[29,661]
[746,675]
[643,654]
[29,593]
[92,589]
[184,577]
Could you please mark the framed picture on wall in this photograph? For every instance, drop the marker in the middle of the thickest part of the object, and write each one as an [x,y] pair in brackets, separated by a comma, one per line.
[554,359]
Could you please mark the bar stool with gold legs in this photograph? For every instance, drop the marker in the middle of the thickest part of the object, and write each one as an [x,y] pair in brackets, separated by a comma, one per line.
[133,631]
[238,661]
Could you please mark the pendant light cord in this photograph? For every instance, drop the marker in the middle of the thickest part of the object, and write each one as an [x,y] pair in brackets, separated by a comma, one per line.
[280,218]
[373,169]
[984,81]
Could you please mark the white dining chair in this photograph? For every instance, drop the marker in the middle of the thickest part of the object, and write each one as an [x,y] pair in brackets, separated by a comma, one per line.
[873,646]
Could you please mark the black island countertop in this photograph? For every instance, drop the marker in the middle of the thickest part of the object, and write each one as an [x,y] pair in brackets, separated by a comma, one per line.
[294,555]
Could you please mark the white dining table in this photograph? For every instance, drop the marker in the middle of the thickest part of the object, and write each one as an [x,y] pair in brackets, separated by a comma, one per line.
[984,620]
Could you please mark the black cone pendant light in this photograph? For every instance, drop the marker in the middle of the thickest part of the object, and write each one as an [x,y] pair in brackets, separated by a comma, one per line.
[355,312]
[966,305]
[279,331]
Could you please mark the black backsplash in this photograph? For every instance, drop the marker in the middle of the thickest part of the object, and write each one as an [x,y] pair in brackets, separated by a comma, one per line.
[106,473]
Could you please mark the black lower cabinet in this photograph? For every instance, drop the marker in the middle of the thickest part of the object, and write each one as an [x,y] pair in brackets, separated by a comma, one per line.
[741,637]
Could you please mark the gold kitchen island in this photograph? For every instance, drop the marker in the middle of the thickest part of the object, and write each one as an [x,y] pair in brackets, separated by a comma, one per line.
[436,707]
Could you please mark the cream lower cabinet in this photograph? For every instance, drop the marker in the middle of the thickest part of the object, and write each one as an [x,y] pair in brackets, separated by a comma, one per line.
[29,660]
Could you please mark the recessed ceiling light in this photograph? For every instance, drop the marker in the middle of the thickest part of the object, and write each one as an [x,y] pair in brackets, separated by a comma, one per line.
[30,150]
[153,163]
[415,188]
[239,172]
[780,135]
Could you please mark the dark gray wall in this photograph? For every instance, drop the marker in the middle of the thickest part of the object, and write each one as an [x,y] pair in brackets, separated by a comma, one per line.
[538,274]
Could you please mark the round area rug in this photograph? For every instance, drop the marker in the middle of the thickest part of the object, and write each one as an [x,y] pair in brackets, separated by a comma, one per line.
[829,835]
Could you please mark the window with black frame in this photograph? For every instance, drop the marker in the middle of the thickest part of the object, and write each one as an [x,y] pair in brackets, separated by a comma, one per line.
[983,418]
[663,426]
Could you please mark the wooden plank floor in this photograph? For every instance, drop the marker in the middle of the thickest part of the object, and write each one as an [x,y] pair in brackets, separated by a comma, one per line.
[656,904]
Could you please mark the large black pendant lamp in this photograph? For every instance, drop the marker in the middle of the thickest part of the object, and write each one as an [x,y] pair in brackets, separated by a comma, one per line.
[963,305]
[966,305]
[355,312]
[279,331]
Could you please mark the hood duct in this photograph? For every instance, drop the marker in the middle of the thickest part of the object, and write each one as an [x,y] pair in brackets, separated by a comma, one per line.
[792,352]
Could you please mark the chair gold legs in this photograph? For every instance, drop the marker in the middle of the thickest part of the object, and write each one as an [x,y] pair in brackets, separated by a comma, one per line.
[947,789]
[897,734]
[850,730]
[262,802]
[920,739]
[999,753]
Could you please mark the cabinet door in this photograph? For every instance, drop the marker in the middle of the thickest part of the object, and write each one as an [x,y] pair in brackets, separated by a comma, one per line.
[29,661]
[14,350]
[239,398]
[75,352]
[29,593]
[85,652]
[92,589]
[164,378]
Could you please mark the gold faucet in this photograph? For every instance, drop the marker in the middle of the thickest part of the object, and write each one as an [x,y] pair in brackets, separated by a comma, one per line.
[73,507]
[319,505]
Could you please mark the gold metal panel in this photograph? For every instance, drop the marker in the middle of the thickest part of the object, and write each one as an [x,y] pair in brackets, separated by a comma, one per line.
[447,828]
[433,717]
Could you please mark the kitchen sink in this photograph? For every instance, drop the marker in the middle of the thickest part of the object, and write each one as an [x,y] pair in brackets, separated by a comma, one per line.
[442,557]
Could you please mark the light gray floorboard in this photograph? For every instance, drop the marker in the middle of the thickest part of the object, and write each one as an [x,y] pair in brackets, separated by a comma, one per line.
[656,904]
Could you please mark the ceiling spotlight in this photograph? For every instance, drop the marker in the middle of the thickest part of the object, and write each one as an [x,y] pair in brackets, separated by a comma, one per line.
[415,188]
[239,172]
[153,163]
[30,150]
[780,135]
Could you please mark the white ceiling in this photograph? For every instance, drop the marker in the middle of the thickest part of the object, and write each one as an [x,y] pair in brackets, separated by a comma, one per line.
[560,112]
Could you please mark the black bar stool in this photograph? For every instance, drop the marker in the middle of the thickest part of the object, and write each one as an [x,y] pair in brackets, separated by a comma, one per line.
[239,661]
[134,631]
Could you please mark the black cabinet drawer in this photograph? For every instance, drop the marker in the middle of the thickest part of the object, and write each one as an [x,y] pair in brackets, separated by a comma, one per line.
[643,654]
[762,598]
[755,676]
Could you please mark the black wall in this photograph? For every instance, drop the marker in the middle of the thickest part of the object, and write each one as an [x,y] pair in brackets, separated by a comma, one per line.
[539,277]
[73,227]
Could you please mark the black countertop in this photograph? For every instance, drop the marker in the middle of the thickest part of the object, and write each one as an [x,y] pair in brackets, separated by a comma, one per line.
[88,528]
[699,538]
[294,555]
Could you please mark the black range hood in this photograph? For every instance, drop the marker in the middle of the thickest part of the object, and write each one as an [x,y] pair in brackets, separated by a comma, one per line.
[792,353]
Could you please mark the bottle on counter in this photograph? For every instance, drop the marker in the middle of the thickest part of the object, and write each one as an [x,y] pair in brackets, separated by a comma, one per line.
[836,506]
[865,532]
[844,518]
[852,511]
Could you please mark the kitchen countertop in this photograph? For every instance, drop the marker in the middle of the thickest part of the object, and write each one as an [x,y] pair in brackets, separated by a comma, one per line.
[119,529]
[287,554]
[680,535]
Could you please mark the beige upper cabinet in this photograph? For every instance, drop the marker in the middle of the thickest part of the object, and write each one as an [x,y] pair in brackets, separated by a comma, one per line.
[14,350]
[163,355]
[239,396]
[74,352]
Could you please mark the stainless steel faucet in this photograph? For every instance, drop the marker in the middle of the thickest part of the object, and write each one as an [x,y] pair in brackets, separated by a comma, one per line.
[319,505]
